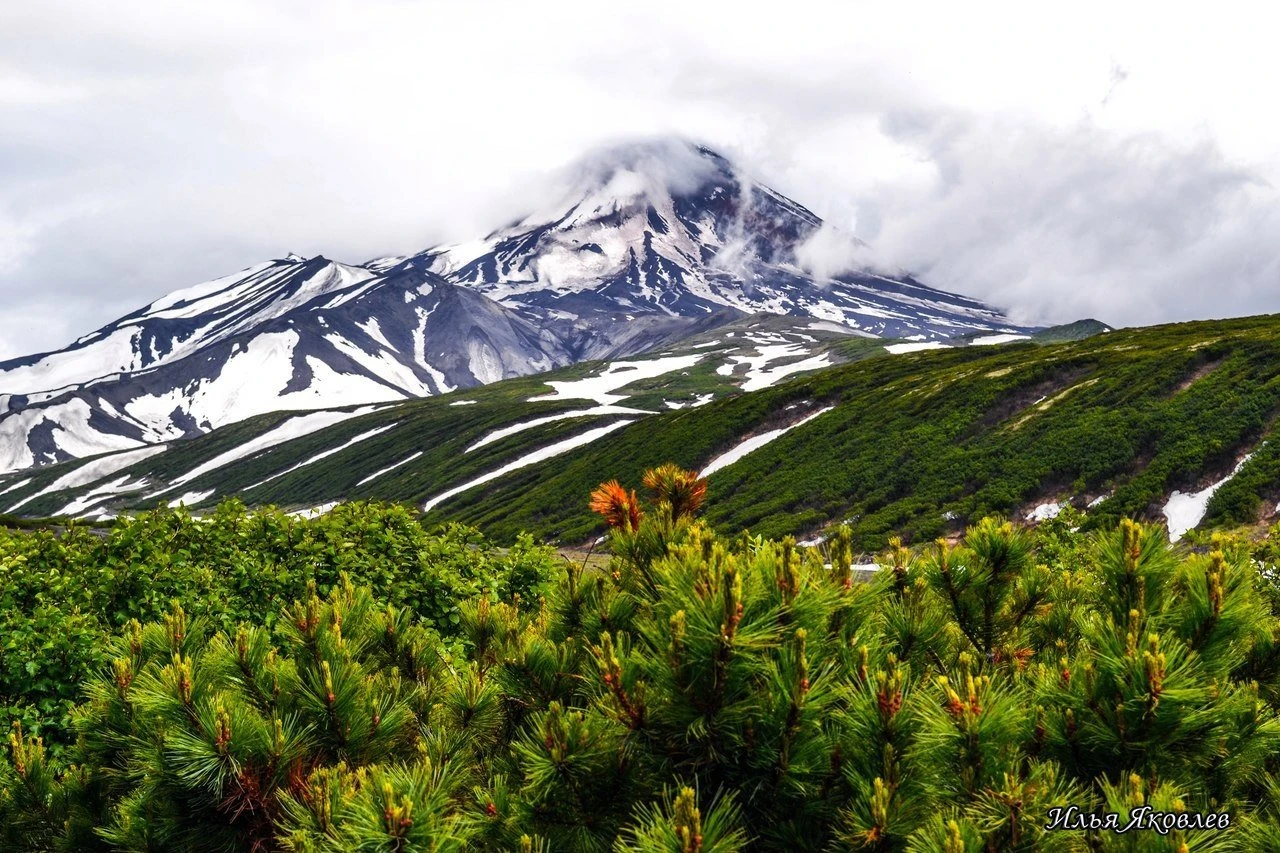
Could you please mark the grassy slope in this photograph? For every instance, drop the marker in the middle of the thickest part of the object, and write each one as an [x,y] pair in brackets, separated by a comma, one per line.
[917,443]
[441,431]
[962,432]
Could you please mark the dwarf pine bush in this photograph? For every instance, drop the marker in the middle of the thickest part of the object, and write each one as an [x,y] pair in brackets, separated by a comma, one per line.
[699,694]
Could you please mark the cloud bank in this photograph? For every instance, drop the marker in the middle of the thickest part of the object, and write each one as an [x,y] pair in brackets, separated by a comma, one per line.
[997,150]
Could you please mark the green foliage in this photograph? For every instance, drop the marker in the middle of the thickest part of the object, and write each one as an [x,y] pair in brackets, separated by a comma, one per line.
[701,694]
[917,445]
[62,595]
[920,444]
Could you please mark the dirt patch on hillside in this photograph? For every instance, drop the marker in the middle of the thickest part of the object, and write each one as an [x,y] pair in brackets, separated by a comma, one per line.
[1031,398]
[1196,375]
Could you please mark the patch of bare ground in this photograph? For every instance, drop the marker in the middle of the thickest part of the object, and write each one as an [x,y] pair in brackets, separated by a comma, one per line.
[1196,375]
[590,558]
[1032,397]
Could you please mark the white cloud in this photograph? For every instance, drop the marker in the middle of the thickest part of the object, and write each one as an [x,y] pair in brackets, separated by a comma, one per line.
[832,250]
[993,148]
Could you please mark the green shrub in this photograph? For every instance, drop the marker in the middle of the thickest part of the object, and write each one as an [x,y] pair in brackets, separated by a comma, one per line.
[701,694]
[62,595]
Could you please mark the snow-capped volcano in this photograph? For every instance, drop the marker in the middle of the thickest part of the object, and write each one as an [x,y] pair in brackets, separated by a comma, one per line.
[675,229]
[650,243]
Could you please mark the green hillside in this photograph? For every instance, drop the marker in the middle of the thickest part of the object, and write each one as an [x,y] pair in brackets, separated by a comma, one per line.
[966,432]
[440,429]
[917,443]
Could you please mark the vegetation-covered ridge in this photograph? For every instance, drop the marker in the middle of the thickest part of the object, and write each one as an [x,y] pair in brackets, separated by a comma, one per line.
[922,444]
[917,444]
[700,694]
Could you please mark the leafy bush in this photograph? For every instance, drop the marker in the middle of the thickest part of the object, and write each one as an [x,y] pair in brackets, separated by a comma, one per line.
[61,596]
[702,694]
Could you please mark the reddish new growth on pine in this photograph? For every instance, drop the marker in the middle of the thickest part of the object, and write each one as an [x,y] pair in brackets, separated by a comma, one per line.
[619,507]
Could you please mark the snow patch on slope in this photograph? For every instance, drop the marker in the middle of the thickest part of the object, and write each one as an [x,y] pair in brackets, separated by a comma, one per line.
[989,340]
[13,487]
[754,443]
[1046,511]
[115,353]
[376,474]
[191,499]
[897,349]
[767,378]
[98,494]
[252,382]
[356,439]
[617,375]
[70,426]
[315,511]
[91,472]
[1184,511]
[499,434]
[294,427]
[768,349]
[533,458]
[698,400]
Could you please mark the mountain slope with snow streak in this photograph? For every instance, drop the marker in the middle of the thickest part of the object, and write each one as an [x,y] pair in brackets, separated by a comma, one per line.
[653,243]
[398,335]
[923,442]
[668,228]
[434,442]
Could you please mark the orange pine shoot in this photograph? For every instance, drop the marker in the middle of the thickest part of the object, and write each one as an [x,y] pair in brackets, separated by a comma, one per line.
[618,506]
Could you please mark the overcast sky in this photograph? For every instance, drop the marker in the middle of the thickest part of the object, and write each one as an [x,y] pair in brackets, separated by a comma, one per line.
[1058,162]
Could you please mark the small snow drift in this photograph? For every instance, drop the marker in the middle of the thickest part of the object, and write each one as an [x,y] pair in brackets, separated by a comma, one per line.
[754,443]
[991,340]
[1184,511]
[916,346]
[1046,511]
[376,474]
[191,498]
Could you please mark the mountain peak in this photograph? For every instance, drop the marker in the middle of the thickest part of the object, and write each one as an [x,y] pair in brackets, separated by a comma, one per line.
[669,226]
[648,241]
[668,164]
